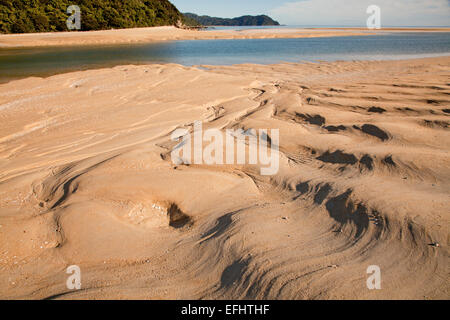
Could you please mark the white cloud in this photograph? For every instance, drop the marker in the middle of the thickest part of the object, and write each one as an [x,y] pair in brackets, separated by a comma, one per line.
[353,12]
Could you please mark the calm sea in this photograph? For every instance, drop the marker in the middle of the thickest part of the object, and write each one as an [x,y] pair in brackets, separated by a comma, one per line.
[19,63]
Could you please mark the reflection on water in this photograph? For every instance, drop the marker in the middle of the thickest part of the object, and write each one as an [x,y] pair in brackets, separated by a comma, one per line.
[17,63]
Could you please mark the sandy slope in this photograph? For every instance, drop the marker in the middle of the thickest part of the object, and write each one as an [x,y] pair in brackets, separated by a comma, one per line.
[364,180]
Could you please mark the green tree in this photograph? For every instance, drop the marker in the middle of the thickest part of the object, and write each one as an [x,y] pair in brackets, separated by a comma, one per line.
[19,16]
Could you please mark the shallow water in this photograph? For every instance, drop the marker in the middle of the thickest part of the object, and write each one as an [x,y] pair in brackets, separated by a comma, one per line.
[24,62]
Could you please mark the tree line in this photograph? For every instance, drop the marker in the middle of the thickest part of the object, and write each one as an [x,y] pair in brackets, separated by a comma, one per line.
[24,16]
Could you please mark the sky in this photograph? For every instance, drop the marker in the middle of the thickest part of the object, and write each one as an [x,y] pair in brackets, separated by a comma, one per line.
[327,12]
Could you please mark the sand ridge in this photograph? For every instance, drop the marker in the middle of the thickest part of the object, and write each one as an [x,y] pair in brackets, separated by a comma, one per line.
[158,34]
[364,180]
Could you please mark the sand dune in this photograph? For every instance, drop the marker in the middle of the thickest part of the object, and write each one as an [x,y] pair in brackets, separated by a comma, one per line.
[364,180]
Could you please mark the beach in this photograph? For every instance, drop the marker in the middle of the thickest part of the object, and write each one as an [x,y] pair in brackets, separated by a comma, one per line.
[158,34]
[87,179]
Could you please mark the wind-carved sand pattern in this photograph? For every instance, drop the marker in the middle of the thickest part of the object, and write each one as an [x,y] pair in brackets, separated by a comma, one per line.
[86,178]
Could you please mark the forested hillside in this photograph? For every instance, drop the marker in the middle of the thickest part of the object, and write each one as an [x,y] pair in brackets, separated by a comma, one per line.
[262,20]
[19,16]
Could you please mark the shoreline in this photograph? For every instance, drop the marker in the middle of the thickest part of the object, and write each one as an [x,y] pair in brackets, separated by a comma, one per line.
[199,66]
[160,34]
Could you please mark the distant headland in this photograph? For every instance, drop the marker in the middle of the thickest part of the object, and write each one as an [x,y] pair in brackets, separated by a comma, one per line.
[261,20]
